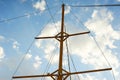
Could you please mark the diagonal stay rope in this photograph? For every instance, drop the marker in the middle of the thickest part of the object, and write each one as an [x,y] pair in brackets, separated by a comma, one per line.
[52,56]
[51,15]
[103,55]
[95,43]
[68,55]
[70,58]
[21,16]
[22,59]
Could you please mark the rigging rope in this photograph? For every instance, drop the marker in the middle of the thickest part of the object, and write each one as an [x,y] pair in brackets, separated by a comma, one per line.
[52,56]
[92,36]
[74,67]
[70,57]
[79,21]
[48,65]
[22,59]
[103,54]
[25,15]
[97,43]
[51,15]
[66,42]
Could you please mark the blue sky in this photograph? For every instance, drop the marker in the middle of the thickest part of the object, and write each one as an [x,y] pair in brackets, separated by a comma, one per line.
[17,37]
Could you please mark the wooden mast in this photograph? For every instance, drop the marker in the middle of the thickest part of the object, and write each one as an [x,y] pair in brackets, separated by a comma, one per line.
[61,46]
[58,74]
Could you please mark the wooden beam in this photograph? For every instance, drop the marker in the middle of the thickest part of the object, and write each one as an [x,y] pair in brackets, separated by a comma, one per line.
[79,33]
[34,76]
[45,37]
[89,71]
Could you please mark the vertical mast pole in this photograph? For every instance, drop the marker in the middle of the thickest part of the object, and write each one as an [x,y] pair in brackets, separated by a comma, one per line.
[61,46]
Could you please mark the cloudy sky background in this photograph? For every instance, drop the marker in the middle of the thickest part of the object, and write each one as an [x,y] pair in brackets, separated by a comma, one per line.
[17,41]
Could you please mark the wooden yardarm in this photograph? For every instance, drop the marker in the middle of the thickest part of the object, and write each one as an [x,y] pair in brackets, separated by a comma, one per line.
[60,73]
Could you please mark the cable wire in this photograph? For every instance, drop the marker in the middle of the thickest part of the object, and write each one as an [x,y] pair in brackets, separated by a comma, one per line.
[104,5]
[25,15]
[66,41]
[74,67]
[69,57]
[79,21]
[96,44]
[113,75]
[100,49]
[22,59]
[51,57]
[92,36]
[51,15]
[48,65]
[103,55]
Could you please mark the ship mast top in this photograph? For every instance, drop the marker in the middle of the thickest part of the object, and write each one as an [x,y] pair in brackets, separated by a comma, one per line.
[60,73]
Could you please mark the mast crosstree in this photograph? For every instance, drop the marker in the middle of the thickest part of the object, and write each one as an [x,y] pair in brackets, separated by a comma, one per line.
[60,73]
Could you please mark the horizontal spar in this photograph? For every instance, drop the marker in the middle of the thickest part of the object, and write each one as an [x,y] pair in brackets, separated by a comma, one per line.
[89,71]
[45,37]
[33,76]
[63,35]
[72,73]
[79,33]
[30,76]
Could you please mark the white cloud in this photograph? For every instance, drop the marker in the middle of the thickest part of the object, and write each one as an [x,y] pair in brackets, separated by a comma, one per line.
[37,62]
[49,30]
[37,58]
[40,5]
[16,45]
[1,38]
[38,43]
[100,25]
[50,51]
[49,45]
[67,9]
[1,53]
[89,53]
[89,77]
[28,56]
[55,58]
